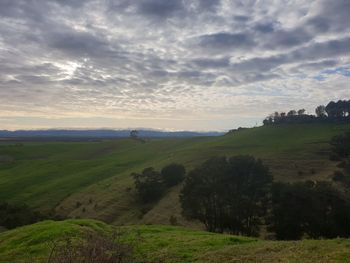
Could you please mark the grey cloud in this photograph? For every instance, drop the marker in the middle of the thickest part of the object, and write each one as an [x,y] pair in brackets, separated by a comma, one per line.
[71,3]
[225,40]
[241,18]
[154,9]
[77,42]
[330,16]
[209,5]
[316,51]
[264,27]
[287,38]
[212,63]
[159,8]
[314,66]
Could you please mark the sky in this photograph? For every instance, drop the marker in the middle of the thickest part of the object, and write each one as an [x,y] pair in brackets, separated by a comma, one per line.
[175,65]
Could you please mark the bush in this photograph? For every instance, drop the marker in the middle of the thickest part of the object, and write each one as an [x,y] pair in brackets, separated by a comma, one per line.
[173,174]
[341,145]
[149,185]
[12,216]
[94,247]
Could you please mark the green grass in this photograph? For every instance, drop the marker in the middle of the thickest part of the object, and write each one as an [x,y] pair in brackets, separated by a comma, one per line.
[57,175]
[173,244]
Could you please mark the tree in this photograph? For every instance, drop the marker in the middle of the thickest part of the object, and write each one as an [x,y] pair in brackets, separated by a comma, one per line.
[173,174]
[341,145]
[336,109]
[315,209]
[134,134]
[227,194]
[149,185]
[291,113]
[321,111]
[268,120]
[14,215]
[301,112]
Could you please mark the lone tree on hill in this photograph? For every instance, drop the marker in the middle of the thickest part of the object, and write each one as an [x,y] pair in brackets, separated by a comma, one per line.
[227,195]
[134,134]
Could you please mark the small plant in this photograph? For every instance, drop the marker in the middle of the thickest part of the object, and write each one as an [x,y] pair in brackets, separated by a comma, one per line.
[93,247]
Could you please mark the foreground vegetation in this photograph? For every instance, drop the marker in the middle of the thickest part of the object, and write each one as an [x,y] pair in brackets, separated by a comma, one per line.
[171,244]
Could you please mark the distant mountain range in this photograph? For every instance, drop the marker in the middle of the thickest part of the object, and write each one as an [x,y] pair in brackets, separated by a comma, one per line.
[102,133]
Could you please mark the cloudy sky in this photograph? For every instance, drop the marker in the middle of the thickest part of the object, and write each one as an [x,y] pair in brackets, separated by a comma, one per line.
[168,64]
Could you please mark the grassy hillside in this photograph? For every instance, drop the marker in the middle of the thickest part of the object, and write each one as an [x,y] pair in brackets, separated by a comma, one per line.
[92,179]
[174,244]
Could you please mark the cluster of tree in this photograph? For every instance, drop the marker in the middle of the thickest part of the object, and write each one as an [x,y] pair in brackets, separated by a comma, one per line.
[227,194]
[237,195]
[341,152]
[151,184]
[12,216]
[341,145]
[334,111]
[312,209]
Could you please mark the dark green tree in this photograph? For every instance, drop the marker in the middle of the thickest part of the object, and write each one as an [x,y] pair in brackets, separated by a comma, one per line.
[227,195]
[341,145]
[313,209]
[301,112]
[173,174]
[149,185]
[14,215]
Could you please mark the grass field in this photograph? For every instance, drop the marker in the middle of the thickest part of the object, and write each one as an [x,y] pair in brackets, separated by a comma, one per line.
[92,179]
[173,244]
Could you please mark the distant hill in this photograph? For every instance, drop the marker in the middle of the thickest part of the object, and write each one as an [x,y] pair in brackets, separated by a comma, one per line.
[103,133]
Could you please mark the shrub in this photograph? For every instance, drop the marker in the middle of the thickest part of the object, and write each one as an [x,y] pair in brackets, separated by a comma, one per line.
[149,185]
[173,174]
[94,247]
[14,215]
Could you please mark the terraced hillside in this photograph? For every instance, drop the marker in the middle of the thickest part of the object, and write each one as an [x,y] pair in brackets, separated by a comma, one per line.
[92,179]
[172,244]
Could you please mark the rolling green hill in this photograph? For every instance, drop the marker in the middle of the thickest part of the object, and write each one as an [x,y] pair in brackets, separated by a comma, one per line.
[172,244]
[92,179]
